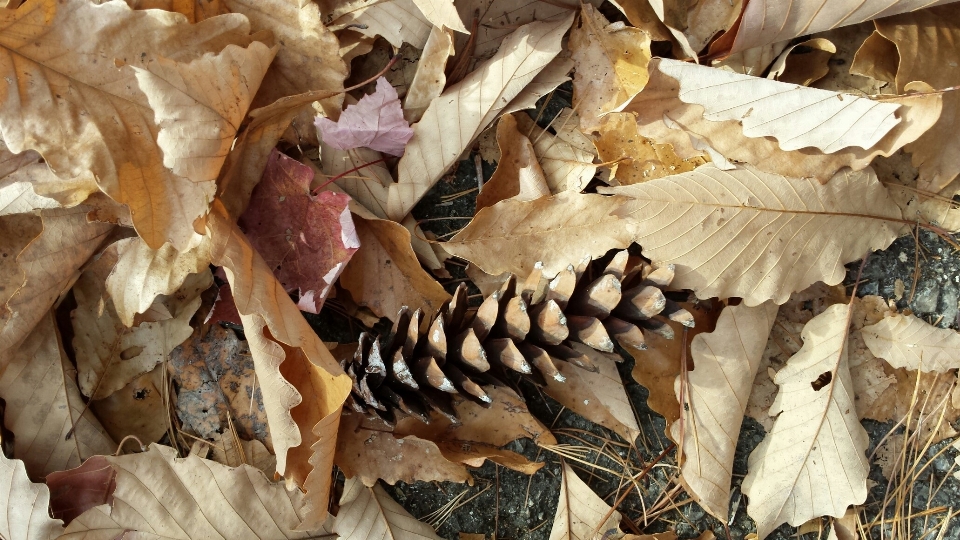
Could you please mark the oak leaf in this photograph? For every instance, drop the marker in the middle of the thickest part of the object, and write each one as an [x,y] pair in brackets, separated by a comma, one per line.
[581,514]
[908,342]
[518,175]
[44,409]
[794,472]
[153,132]
[566,163]
[511,236]
[370,513]
[760,236]
[307,240]
[474,102]
[160,494]
[27,516]
[634,157]
[715,397]
[375,122]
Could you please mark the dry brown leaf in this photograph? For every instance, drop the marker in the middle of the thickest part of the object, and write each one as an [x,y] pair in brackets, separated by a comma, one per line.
[474,102]
[752,61]
[429,79]
[694,24]
[153,133]
[581,514]
[664,118]
[512,236]
[908,342]
[138,409]
[384,273]
[793,473]
[27,516]
[641,14]
[289,359]
[194,10]
[804,67]
[761,236]
[370,514]
[44,269]
[74,491]
[634,157]
[597,396]
[565,164]
[159,494]
[715,398]
[518,175]
[611,66]
[797,117]
[44,409]
[397,21]
[309,55]
[769,21]
[370,455]
[18,174]
[233,451]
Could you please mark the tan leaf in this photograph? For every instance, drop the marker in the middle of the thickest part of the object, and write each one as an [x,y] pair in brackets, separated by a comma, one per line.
[761,236]
[233,451]
[110,355]
[752,61]
[159,494]
[641,14]
[565,164]
[805,68]
[384,273]
[769,21]
[581,514]
[27,516]
[369,185]
[277,332]
[794,472]
[511,235]
[475,102]
[54,430]
[611,66]
[518,175]
[18,172]
[397,21]
[154,133]
[429,79]
[636,158]
[908,342]
[309,56]
[715,398]
[442,13]
[694,24]
[194,10]
[663,117]
[598,397]
[45,269]
[139,409]
[923,42]
[370,514]
[370,455]
[798,117]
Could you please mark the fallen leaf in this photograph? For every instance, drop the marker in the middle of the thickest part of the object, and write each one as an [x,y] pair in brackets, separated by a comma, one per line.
[518,175]
[429,79]
[153,133]
[384,275]
[397,21]
[511,236]
[194,10]
[375,122]
[634,157]
[369,512]
[641,15]
[908,342]
[26,516]
[360,173]
[694,24]
[567,165]
[611,66]
[764,236]
[597,396]
[371,455]
[44,409]
[581,514]
[44,269]
[496,19]
[474,102]
[233,451]
[160,494]
[74,491]
[769,21]
[715,397]
[803,68]
[138,409]
[306,240]
[794,472]
[753,61]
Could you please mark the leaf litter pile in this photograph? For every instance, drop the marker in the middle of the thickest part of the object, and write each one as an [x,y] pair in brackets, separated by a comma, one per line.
[193,193]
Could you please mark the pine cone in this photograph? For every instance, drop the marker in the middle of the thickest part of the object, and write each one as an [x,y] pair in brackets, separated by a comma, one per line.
[525,327]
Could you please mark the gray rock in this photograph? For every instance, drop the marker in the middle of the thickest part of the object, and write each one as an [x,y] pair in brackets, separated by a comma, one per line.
[925,300]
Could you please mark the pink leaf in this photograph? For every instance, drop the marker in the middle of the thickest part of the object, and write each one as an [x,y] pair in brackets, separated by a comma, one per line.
[376,121]
[74,491]
[307,240]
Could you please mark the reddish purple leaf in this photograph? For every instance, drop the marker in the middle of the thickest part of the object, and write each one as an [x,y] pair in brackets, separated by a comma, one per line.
[74,491]
[306,240]
[376,121]
[224,308]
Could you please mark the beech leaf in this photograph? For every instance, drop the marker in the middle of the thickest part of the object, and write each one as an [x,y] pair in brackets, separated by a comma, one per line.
[375,122]
[306,240]
[370,513]
[397,21]
[793,473]
[581,514]
[755,235]
[26,516]
[906,341]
